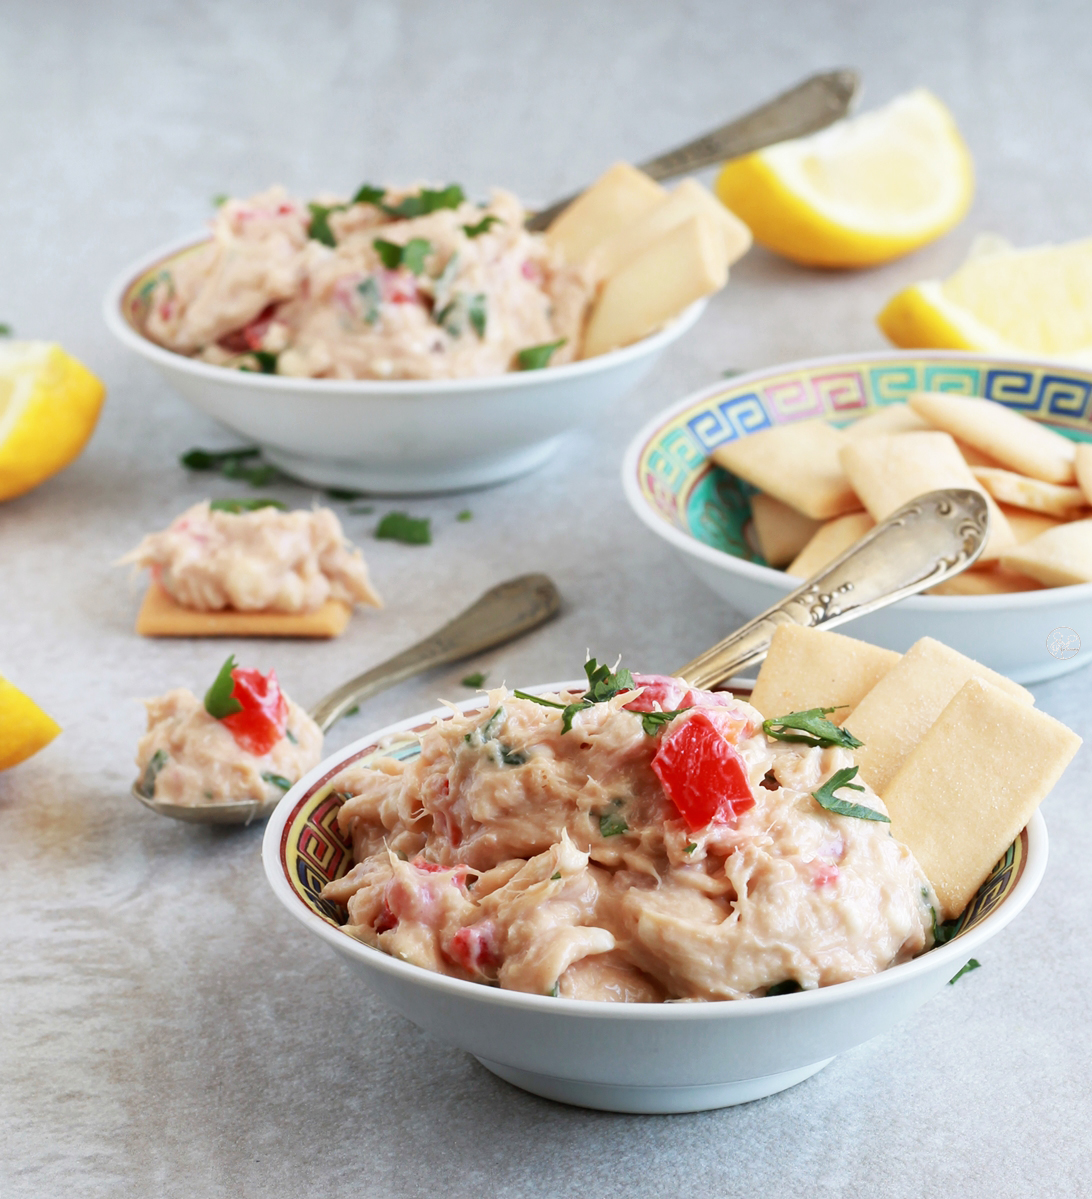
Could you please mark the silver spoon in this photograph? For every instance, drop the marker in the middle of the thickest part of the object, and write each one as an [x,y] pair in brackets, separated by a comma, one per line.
[817,102]
[504,612]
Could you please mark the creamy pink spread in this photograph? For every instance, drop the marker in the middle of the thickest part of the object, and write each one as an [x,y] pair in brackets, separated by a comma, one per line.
[345,290]
[515,854]
[189,758]
[261,561]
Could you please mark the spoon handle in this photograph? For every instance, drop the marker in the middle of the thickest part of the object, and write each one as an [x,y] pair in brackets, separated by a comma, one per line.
[503,612]
[814,104]
[925,542]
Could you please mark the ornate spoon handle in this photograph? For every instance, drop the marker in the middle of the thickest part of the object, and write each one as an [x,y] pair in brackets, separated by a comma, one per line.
[925,542]
[809,106]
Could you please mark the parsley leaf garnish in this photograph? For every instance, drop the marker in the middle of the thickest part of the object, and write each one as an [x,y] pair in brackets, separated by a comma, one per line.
[946,931]
[412,255]
[612,823]
[344,493]
[6,331]
[257,476]
[555,877]
[811,728]
[220,199]
[474,680]
[398,526]
[278,780]
[534,358]
[237,506]
[690,846]
[973,964]
[483,226]
[652,722]
[366,194]
[465,515]
[319,228]
[426,201]
[476,312]
[371,297]
[826,798]
[603,684]
[156,762]
[214,459]
[267,363]
[219,701]
[788,987]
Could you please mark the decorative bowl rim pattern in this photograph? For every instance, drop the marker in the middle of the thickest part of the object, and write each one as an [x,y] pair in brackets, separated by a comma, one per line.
[291,813]
[120,291]
[664,421]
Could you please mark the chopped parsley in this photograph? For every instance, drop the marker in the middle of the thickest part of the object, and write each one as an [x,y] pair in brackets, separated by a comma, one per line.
[214,459]
[652,722]
[257,476]
[789,987]
[474,680]
[370,297]
[366,194]
[218,201]
[291,736]
[973,964]
[603,684]
[826,798]
[319,228]
[219,700]
[426,201]
[810,727]
[483,226]
[411,530]
[238,506]
[412,255]
[156,762]
[487,733]
[534,358]
[690,846]
[465,515]
[555,992]
[512,757]
[6,330]
[463,309]
[945,931]
[267,363]
[362,509]
[612,823]
[278,780]
[344,493]
[353,711]
[555,877]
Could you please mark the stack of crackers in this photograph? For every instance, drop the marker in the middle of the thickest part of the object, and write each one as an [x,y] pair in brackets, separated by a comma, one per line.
[959,754]
[821,489]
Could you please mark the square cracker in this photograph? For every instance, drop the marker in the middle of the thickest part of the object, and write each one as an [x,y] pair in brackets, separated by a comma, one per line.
[1082,463]
[993,581]
[1053,499]
[889,471]
[161,616]
[1011,439]
[971,784]
[782,531]
[796,464]
[830,540]
[1026,524]
[894,716]
[1058,557]
[895,418]
[810,668]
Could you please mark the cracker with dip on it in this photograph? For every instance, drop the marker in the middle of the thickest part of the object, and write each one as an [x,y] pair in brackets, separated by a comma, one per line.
[251,569]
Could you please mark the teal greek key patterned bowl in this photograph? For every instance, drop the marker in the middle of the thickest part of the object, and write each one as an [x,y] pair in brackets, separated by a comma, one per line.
[704,512]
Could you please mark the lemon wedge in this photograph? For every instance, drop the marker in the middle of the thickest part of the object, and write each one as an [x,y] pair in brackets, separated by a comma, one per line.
[862,192]
[49,404]
[1035,301]
[24,727]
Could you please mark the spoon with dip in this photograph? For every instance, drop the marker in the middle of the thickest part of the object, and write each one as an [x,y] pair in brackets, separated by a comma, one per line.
[922,544]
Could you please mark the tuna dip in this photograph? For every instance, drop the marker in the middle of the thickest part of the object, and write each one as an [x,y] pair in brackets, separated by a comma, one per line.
[253,556]
[642,842]
[245,740]
[387,284]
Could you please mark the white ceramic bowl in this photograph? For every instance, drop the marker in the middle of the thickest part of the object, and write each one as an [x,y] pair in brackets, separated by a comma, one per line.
[620,1057]
[398,437]
[702,511]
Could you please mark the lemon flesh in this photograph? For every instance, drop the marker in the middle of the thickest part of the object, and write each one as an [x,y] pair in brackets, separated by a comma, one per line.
[1036,301]
[24,727]
[49,404]
[862,192]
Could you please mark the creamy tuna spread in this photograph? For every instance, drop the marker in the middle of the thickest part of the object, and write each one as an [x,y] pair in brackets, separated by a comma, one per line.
[265,560]
[259,747]
[418,284]
[664,847]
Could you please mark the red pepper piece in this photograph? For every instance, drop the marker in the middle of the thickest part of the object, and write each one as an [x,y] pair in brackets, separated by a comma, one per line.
[261,723]
[702,773]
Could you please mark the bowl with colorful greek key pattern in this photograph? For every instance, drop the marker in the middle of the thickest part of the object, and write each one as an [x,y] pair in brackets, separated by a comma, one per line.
[704,512]
[628,1057]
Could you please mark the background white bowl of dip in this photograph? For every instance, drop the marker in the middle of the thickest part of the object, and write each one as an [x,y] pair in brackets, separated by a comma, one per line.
[702,511]
[674,1057]
[396,437]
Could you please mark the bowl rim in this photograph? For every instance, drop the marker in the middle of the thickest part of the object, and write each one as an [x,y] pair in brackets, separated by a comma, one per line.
[952,955]
[119,325]
[778,579]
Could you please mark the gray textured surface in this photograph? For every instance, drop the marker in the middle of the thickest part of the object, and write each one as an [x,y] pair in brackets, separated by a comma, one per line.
[166,1030]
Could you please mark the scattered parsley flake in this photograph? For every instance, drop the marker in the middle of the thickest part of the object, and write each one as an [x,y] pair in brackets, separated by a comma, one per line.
[690,846]
[474,680]
[412,255]
[6,330]
[390,253]
[612,823]
[426,201]
[483,226]
[214,459]
[319,228]
[219,700]
[399,526]
[810,727]
[826,798]
[652,722]
[362,509]
[789,987]
[366,194]
[973,964]
[603,684]
[555,877]
[156,762]
[344,493]
[278,780]
[267,363]
[370,297]
[555,993]
[945,931]
[291,736]
[353,711]
[220,199]
[238,506]
[534,358]
[476,312]
[465,515]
